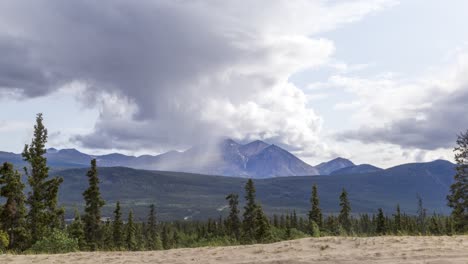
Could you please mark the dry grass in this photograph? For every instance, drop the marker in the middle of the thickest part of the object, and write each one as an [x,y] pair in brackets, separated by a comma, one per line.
[308,250]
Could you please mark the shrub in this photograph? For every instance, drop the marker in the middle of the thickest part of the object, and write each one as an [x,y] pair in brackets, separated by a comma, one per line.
[57,242]
[4,241]
[315,229]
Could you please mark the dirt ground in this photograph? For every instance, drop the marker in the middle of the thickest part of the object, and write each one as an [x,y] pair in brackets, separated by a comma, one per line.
[388,249]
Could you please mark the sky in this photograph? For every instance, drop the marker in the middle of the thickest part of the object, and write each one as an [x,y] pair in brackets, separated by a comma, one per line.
[382,82]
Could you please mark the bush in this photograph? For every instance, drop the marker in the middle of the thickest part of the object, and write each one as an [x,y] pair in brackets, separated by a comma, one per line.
[57,242]
[4,241]
[315,229]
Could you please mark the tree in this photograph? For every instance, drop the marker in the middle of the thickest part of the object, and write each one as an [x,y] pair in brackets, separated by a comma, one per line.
[421,212]
[94,203]
[458,197]
[315,214]
[43,213]
[153,241]
[381,228]
[13,212]
[117,227]
[262,227]
[250,213]
[233,222]
[344,217]
[397,216]
[130,236]
[76,231]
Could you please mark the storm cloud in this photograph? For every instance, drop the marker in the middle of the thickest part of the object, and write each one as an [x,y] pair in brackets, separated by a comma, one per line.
[169,74]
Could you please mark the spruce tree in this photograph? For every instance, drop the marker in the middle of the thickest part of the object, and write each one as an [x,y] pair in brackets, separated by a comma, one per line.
[165,237]
[458,197]
[398,222]
[250,213]
[153,241]
[344,217]
[315,214]
[421,220]
[117,227]
[380,226]
[43,213]
[233,222]
[262,228]
[130,233]
[13,212]
[76,231]
[94,203]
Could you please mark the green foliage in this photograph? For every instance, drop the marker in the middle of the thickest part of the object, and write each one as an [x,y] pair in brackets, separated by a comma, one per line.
[315,214]
[152,236]
[315,229]
[345,212]
[13,212]
[43,214]
[4,241]
[381,228]
[250,213]
[233,223]
[76,231]
[458,197]
[117,227]
[130,233]
[56,242]
[94,203]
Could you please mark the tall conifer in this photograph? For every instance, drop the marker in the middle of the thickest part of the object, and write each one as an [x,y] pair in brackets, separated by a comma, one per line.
[345,213]
[44,215]
[315,214]
[458,197]
[94,203]
[13,212]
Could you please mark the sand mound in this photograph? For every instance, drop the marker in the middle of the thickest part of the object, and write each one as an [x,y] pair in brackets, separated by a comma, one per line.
[307,250]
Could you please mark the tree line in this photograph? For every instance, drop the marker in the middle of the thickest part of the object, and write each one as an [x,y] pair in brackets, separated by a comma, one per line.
[34,222]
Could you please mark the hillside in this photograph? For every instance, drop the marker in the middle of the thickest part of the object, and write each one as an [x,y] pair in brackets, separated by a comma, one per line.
[179,195]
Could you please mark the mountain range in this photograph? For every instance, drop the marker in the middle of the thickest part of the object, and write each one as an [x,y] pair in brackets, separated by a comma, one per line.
[180,195]
[256,159]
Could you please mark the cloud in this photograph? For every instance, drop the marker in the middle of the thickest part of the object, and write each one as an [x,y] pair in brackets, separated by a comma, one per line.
[169,74]
[425,113]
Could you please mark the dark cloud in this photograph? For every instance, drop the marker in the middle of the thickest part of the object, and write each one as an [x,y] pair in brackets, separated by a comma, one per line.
[173,72]
[433,127]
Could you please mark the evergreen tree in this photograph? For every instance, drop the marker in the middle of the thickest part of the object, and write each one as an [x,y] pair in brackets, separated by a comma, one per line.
[166,243]
[94,203]
[153,241]
[398,222]
[262,228]
[233,222]
[76,231]
[421,212]
[43,213]
[117,227]
[380,227]
[344,217]
[13,212]
[130,236]
[315,214]
[458,197]
[250,213]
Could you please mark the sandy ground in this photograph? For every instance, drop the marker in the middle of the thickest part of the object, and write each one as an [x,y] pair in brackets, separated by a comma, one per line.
[308,250]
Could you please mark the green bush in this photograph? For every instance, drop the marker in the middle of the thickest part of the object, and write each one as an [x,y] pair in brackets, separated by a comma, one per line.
[315,230]
[57,242]
[4,241]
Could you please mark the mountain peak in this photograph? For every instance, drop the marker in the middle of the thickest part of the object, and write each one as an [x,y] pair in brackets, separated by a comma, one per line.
[325,168]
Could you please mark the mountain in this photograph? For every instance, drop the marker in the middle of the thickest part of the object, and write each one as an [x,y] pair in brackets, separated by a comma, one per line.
[357,169]
[325,168]
[256,159]
[183,195]
[275,161]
